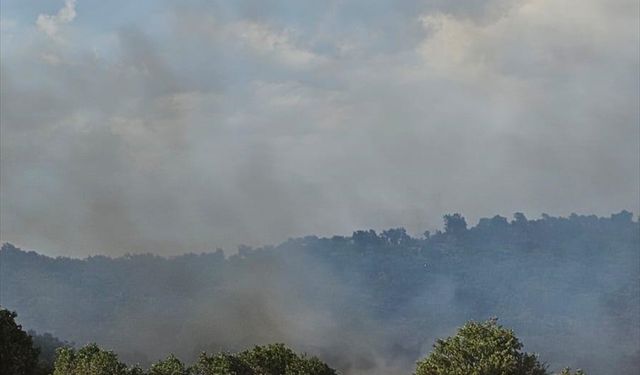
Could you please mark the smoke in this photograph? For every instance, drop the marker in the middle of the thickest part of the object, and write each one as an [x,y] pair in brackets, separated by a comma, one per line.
[298,300]
[365,304]
[160,127]
[131,127]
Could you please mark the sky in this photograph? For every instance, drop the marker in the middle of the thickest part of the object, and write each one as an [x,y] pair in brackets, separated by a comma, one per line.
[172,127]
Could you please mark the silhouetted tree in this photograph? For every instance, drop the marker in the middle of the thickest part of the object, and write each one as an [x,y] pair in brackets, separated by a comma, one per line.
[366,238]
[396,236]
[17,354]
[623,216]
[47,344]
[454,224]
[519,219]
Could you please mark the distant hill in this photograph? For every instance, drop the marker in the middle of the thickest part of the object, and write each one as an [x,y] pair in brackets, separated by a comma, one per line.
[367,303]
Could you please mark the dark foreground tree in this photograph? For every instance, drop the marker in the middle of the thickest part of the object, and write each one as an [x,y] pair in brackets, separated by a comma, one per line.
[47,345]
[17,354]
[480,349]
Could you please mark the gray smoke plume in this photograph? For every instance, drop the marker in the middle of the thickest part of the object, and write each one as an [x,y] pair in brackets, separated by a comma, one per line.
[189,126]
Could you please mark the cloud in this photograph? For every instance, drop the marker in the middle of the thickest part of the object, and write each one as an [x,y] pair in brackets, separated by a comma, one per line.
[212,125]
[50,24]
[280,44]
[533,39]
[258,37]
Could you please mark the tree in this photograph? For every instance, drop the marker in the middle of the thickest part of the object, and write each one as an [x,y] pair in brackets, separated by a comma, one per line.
[90,360]
[47,345]
[454,224]
[220,364]
[519,219]
[366,238]
[480,349]
[623,216]
[274,359]
[170,366]
[397,236]
[277,359]
[17,354]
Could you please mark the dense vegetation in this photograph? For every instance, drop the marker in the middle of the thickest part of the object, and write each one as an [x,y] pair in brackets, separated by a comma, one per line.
[19,356]
[480,349]
[477,349]
[274,359]
[366,303]
[17,353]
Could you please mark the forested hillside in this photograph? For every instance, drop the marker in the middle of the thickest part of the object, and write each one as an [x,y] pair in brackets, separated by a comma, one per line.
[368,303]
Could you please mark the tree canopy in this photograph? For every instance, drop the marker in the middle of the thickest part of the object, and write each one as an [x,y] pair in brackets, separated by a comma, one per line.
[90,360]
[274,359]
[17,354]
[480,348]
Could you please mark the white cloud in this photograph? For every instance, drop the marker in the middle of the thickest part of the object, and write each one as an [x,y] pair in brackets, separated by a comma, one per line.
[283,46]
[534,39]
[50,24]
[280,44]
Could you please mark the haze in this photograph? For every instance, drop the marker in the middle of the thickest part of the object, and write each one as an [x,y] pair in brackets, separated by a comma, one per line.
[168,127]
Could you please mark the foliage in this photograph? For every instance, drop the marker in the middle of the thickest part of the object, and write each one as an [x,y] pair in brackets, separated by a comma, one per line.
[455,224]
[169,366]
[480,349]
[221,364]
[17,354]
[477,349]
[274,359]
[47,344]
[89,360]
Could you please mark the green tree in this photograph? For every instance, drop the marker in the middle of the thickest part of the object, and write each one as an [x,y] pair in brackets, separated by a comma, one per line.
[480,349]
[221,364]
[277,359]
[274,359]
[90,360]
[17,354]
[170,366]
